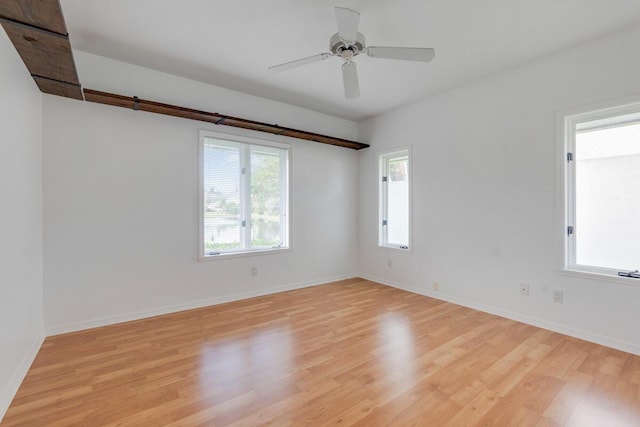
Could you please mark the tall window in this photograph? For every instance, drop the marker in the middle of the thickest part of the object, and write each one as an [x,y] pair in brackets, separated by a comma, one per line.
[603,189]
[244,195]
[395,203]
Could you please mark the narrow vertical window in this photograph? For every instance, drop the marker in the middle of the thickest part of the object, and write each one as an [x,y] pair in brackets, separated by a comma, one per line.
[603,189]
[244,193]
[395,199]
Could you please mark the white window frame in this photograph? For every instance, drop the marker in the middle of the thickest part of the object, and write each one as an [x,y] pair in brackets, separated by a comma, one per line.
[383,165]
[245,234]
[567,124]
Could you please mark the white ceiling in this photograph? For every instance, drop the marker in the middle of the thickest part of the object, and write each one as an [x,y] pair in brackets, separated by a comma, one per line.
[231,43]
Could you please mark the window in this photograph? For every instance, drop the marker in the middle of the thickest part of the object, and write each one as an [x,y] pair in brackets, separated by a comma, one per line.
[603,191]
[244,195]
[395,199]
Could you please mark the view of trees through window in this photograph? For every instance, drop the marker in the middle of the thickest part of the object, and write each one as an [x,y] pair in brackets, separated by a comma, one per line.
[222,196]
[266,198]
[244,196]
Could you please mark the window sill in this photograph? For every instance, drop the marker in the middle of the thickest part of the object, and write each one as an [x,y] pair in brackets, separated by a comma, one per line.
[601,277]
[395,249]
[231,255]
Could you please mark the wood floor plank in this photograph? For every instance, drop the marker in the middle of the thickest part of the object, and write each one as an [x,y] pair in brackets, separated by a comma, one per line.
[346,353]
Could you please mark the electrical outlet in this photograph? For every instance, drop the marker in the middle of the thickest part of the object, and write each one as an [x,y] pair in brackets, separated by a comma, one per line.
[557,297]
[389,263]
[254,271]
[435,286]
[524,289]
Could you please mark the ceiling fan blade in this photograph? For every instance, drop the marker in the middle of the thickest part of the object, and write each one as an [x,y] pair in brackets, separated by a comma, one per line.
[350,78]
[348,21]
[299,62]
[405,53]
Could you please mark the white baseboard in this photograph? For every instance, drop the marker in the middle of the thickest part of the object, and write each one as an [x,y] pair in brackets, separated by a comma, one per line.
[10,390]
[541,323]
[127,317]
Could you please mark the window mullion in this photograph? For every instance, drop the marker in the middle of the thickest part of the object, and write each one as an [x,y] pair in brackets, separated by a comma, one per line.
[571,193]
[283,197]
[245,197]
[385,201]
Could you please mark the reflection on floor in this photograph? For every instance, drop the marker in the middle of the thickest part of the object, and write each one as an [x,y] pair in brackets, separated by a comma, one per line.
[350,353]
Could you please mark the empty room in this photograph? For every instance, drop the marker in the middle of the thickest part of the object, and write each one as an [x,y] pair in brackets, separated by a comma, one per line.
[288,213]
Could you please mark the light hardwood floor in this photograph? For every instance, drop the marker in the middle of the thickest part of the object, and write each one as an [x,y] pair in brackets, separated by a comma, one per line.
[346,353]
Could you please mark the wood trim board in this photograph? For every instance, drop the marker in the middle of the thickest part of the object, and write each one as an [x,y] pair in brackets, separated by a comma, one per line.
[136,103]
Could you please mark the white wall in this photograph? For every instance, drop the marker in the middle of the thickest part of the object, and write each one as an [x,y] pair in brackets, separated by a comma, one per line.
[486,201]
[120,197]
[108,75]
[21,330]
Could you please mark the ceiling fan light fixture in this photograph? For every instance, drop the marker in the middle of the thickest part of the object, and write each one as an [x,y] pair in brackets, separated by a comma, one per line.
[347,54]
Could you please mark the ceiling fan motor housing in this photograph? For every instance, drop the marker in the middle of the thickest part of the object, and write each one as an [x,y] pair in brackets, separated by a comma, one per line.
[337,45]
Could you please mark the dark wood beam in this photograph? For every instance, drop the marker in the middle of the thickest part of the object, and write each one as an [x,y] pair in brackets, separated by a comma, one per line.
[55,87]
[45,54]
[136,103]
[38,32]
[44,14]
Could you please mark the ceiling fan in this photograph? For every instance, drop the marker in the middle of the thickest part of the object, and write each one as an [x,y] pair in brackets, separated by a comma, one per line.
[348,43]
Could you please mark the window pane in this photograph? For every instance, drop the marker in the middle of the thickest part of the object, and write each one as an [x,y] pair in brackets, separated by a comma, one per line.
[244,194]
[398,201]
[608,196]
[266,197]
[221,196]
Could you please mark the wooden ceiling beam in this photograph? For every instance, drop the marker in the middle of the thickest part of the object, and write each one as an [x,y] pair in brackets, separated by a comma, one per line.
[136,103]
[55,87]
[44,14]
[38,32]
